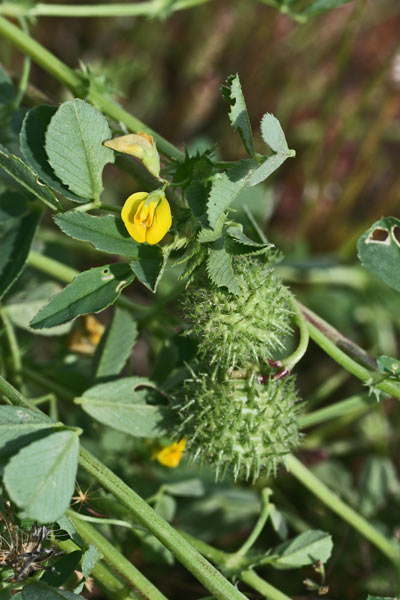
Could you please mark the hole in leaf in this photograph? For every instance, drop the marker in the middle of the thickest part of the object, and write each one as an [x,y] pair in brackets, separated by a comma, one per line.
[378,236]
[106,271]
[396,234]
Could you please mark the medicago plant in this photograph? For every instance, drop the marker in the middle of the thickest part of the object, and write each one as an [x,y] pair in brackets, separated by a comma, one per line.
[222,400]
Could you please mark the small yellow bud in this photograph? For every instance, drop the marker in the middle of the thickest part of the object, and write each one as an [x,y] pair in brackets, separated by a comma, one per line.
[171,455]
[142,146]
[147,217]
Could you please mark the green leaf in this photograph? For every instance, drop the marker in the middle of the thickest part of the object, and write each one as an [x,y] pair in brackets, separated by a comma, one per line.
[74,145]
[271,164]
[90,291]
[389,365]
[220,271]
[305,549]
[149,266]
[65,567]
[13,206]
[320,6]
[237,243]
[379,250]
[106,233]
[15,245]
[20,426]
[20,171]
[191,488]
[119,404]
[7,92]
[41,591]
[232,93]
[115,346]
[207,236]
[272,134]
[165,506]
[225,188]
[23,306]
[278,522]
[90,559]
[41,477]
[32,139]
[196,196]
[377,480]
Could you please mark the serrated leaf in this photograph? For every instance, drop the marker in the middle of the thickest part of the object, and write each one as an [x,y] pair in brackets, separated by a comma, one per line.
[305,549]
[90,291]
[49,469]
[237,243]
[225,188]
[206,236]
[24,175]
[271,164]
[115,346]
[220,271]
[320,6]
[32,139]
[74,145]
[120,405]
[22,307]
[379,250]
[106,233]
[15,246]
[232,92]
[149,266]
[273,135]
[21,426]
[41,591]
[7,92]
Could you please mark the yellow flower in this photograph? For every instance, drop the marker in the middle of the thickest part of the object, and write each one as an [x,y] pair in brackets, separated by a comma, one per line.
[147,217]
[171,455]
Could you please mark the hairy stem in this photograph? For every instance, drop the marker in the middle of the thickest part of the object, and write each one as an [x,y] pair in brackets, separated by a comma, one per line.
[114,558]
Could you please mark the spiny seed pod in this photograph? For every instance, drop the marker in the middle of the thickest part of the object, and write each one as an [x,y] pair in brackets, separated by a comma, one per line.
[239,425]
[238,330]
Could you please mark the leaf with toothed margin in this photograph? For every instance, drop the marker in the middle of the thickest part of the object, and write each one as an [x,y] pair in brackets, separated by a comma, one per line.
[90,291]
[219,269]
[232,93]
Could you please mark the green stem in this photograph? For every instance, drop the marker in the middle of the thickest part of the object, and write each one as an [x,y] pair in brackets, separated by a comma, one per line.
[26,69]
[76,83]
[114,586]
[15,355]
[115,559]
[259,526]
[331,341]
[212,579]
[263,587]
[290,361]
[355,404]
[330,499]
[150,9]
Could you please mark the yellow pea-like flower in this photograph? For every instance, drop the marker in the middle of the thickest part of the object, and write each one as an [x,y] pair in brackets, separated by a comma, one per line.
[171,455]
[147,217]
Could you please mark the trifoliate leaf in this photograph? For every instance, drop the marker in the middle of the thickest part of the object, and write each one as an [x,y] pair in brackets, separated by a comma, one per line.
[305,549]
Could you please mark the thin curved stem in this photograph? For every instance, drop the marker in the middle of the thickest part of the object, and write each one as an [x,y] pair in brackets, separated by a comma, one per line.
[259,526]
[290,361]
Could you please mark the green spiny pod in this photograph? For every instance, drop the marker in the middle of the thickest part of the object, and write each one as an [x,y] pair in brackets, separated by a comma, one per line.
[240,330]
[239,425]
